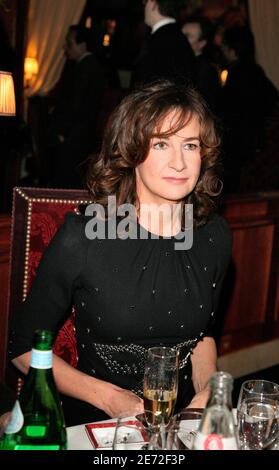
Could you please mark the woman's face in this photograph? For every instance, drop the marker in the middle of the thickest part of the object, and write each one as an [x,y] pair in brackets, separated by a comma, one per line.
[172,167]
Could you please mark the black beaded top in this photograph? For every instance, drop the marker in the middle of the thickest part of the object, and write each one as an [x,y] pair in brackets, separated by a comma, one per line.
[128,295]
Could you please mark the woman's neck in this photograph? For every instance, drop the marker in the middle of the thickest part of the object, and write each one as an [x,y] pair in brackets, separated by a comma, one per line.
[163,219]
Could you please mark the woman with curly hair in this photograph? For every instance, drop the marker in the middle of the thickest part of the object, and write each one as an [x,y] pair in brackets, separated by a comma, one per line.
[160,153]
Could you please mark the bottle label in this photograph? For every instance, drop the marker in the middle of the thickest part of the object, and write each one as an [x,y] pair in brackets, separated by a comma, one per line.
[34,447]
[16,421]
[214,442]
[41,359]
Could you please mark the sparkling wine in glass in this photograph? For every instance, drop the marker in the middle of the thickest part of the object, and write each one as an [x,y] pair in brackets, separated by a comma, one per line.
[161,383]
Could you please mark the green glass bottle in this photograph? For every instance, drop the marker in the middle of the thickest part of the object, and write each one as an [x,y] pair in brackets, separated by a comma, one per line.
[37,419]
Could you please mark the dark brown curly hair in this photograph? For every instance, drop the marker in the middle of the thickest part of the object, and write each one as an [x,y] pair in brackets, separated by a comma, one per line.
[127,137]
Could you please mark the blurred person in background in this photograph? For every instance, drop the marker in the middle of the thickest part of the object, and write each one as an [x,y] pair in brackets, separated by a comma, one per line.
[167,53]
[248,100]
[200,33]
[72,130]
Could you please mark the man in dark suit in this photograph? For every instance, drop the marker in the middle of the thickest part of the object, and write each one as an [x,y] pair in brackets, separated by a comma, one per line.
[248,104]
[72,132]
[168,54]
[199,32]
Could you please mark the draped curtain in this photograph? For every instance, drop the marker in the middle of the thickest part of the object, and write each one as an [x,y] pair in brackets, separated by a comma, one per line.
[48,22]
[264,19]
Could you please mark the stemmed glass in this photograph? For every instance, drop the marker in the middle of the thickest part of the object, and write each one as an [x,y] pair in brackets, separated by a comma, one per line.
[251,388]
[135,432]
[186,424]
[257,413]
[258,423]
[179,433]
[161,383]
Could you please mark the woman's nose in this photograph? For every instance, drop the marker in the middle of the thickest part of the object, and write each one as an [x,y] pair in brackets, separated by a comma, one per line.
[177,161]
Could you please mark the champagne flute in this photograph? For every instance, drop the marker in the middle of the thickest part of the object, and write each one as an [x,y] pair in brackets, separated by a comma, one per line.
[161,383]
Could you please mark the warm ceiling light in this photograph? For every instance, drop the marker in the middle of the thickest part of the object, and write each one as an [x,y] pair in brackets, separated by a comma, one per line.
[7,94]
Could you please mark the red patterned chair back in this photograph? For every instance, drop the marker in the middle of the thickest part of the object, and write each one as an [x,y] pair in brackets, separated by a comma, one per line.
[37,214]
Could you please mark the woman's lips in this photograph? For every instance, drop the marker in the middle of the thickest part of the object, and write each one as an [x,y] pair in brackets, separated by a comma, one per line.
[173,180]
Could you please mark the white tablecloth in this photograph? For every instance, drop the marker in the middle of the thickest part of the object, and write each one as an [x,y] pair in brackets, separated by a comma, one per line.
[78,438]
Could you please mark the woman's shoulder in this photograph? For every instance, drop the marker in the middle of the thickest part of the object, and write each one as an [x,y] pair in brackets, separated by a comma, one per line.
[218,231]
[216,242]
[72,231]
[218,224]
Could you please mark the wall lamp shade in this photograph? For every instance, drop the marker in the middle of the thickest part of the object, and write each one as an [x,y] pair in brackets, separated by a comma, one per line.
[31,67]
[7,94]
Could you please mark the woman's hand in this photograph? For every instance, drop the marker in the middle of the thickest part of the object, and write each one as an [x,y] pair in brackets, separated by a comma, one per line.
[116,401]
[204,364]
[200,399]
[4,421]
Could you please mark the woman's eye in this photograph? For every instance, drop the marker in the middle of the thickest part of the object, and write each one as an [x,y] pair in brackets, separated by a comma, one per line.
[159,145]
[192,147]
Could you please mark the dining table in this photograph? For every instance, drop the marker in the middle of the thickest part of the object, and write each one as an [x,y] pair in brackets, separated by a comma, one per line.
[99,435]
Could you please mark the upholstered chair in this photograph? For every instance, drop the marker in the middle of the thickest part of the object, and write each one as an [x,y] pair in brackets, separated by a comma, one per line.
[36,216]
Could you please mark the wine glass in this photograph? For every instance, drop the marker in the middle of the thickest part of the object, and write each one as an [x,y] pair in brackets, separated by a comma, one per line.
[251,388]
[258,422]
[134,432]
[180,432]
[186,422]
[160,383]
[257,388]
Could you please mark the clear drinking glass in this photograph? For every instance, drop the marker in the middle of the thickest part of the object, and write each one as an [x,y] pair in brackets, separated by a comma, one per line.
[179,433]
[257,388]
[161,383]
[134,432]
[258,422]
[186,423]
